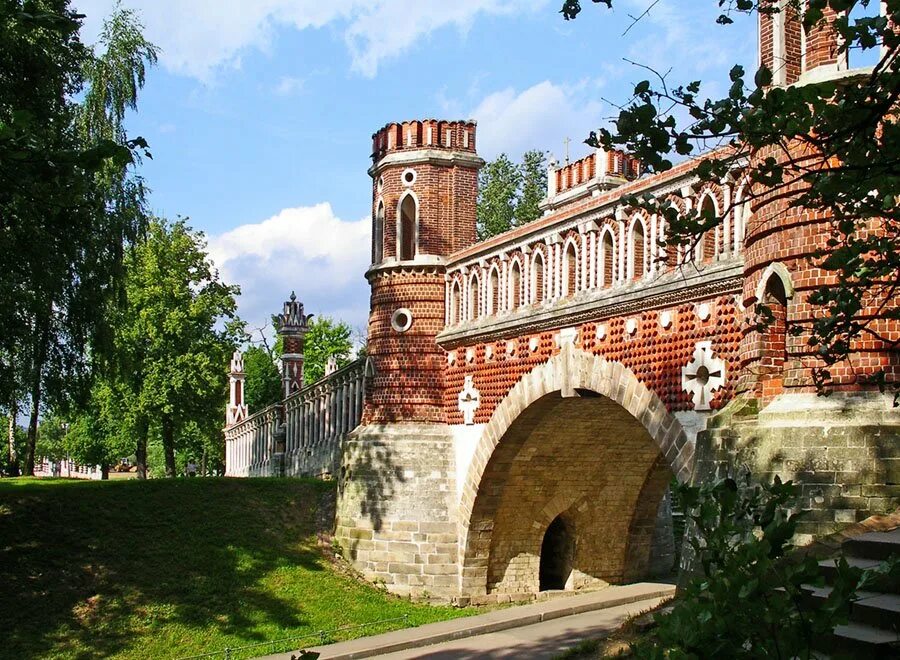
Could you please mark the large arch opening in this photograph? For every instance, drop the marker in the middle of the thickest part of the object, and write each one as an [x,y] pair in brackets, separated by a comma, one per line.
[570,493]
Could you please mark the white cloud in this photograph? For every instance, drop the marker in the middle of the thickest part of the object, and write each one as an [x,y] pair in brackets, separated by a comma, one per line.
[198,37]
[540,117]
[289,85]
[308,250]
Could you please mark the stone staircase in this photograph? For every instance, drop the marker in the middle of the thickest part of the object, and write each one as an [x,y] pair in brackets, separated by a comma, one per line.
[874,628]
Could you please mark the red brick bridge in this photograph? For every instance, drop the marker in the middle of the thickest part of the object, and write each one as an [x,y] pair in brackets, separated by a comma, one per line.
[527,400]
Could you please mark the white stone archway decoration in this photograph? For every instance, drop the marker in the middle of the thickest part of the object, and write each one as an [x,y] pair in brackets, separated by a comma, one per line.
[468,401]
[703,375]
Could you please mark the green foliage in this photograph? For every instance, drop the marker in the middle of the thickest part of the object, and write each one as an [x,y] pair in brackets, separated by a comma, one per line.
[262,386]
[175,567]
[850,137]
[68,198]
[509,194]
[173,333]
[326,338]
[746,600]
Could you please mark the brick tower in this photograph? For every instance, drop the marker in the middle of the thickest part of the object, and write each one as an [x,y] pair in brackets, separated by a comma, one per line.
[396,515]
[796,434]
[424,190]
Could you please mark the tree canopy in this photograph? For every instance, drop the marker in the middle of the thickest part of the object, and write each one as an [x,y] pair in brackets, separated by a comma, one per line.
[509,194]
[69,201]
[326,338]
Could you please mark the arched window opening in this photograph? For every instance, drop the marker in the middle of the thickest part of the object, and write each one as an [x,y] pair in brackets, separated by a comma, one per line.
[557,555]
[607,257]
[406,235]
[455,304]
[638,252]
[570,270]
[378,235]
[494,292]
[707,243]
[537,279]
[474,298]
[773,316]
[515,286]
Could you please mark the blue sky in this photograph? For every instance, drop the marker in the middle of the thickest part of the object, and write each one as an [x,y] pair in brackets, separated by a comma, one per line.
[260,113]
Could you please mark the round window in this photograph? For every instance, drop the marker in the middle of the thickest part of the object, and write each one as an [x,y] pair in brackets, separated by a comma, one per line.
[408,177]
[401,320]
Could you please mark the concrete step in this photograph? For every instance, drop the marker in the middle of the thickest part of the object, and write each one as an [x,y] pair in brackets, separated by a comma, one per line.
[886,584]
[871,608]
[874,545]
[858,640]
[491,622]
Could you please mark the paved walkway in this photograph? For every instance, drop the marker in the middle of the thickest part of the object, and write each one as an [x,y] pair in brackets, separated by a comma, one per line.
[537,630]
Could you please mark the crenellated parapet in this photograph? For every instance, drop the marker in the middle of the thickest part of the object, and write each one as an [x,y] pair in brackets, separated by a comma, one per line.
[434,134]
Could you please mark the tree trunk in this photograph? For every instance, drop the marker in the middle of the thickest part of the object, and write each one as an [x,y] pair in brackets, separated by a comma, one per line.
[140,452]
[203,464]
[31,443]
[168,438]
[12,458]
[104,471]
[36,377]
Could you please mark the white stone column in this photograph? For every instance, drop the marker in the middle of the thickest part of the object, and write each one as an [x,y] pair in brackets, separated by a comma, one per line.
[726,222]
[582,284]
[592,266]
[619,268]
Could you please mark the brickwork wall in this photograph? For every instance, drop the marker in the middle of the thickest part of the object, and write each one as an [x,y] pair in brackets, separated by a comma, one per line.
[408,383]
[779,233]
[655,354]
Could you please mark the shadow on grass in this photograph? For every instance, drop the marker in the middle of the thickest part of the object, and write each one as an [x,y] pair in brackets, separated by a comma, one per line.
[86,569]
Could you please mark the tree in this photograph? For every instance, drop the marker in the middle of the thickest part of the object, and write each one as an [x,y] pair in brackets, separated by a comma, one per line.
[534,186]
[498,186]
[173,334]
[509,194]
[828,147]
[65,225]
[262,384]
[326,338]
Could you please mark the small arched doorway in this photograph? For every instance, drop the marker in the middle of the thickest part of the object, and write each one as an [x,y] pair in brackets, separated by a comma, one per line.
[557,555]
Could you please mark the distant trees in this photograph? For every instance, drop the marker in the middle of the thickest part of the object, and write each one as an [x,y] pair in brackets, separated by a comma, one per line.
[326,338]
[509,194]
[262,385]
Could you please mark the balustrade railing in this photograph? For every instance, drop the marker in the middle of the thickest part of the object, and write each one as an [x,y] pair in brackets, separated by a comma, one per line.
[313,421]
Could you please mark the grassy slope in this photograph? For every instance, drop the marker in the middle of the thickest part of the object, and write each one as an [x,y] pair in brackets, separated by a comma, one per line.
[168,568]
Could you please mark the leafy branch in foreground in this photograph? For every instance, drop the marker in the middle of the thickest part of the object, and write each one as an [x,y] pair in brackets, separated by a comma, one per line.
[830,147]
[748,598]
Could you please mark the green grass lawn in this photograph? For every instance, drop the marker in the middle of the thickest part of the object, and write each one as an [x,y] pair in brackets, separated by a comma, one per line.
[169,568]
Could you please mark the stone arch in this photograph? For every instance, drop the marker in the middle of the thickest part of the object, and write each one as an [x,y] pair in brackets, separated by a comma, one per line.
[560,383]
[492,296]
[514,294]
[538,284]
[708,243]
[378,234]
[637,247]
[607,274]
[408,226]
[455,302]
[570,267]
[474,296]
[775,269]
